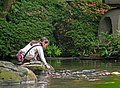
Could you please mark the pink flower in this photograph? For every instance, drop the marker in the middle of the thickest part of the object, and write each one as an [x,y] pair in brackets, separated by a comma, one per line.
[39,11]
[82,0]
[29,14]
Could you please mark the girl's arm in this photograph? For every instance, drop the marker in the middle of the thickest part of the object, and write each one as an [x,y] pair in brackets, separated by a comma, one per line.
[41,54]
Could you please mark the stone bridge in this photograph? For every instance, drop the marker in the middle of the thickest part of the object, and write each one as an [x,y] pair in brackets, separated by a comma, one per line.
[110,22]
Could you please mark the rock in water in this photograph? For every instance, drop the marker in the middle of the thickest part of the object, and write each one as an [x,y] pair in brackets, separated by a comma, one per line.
[37,67]
[12,74]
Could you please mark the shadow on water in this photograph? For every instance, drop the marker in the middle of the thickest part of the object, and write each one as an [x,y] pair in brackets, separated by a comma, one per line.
[79,74]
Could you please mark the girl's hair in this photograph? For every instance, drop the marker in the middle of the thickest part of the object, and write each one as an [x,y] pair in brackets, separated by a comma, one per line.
[44,39]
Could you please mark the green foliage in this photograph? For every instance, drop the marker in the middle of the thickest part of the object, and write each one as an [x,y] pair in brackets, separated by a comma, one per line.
[26,21]
[71,27]
[1,5]
[81,36]
[109,45]
[53,51]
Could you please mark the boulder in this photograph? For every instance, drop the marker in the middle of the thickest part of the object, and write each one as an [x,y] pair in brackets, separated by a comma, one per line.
[36,67]
[12,74]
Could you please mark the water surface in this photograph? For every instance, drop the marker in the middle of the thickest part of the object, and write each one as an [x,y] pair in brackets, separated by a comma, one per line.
[78,74]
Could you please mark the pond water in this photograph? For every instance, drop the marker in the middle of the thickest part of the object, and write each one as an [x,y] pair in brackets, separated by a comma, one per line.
[90,74]
[79,74]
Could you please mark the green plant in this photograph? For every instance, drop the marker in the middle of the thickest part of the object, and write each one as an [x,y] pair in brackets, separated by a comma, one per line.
[53,51]
[109,45]
[72,26]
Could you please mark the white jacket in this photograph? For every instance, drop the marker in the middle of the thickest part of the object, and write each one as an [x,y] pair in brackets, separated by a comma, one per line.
[35,50]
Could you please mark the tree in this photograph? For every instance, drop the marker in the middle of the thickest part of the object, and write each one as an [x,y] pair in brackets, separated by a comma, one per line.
[7,5]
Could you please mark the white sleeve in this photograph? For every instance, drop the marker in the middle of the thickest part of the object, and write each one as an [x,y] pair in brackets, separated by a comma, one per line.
[41,54]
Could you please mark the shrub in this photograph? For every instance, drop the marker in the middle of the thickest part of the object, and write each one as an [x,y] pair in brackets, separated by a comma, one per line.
[71,27]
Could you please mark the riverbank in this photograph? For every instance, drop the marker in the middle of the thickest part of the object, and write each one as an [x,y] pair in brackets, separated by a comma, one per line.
[83,58]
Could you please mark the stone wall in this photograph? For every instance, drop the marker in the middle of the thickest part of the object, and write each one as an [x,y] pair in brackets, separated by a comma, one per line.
[115,3]
[110,21]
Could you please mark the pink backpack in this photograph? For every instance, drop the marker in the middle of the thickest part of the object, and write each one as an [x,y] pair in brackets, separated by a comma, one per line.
[20,56]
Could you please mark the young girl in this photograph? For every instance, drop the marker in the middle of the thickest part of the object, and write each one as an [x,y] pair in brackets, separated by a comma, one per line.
[34,49]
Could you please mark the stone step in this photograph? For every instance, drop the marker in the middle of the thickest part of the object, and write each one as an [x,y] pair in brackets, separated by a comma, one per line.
[115,3]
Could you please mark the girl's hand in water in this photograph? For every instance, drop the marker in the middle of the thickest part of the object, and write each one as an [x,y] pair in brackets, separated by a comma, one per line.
[47,66]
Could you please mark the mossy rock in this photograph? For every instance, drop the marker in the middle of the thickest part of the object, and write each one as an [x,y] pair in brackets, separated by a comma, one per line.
[36,68]
[12,74]
[8,76]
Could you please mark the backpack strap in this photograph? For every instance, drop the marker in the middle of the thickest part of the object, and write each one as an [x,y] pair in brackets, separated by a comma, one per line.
[29,50]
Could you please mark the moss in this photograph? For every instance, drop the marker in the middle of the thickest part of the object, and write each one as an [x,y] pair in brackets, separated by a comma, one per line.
[7,76]
[36,69]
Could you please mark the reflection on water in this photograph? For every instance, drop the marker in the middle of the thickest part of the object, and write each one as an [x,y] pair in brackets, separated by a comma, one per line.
[38,85]
[105,80]
[78,74]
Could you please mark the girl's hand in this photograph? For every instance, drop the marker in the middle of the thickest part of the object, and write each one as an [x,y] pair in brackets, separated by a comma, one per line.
[47,66]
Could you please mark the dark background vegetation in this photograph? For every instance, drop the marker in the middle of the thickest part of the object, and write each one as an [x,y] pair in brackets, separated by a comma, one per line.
[71,27]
